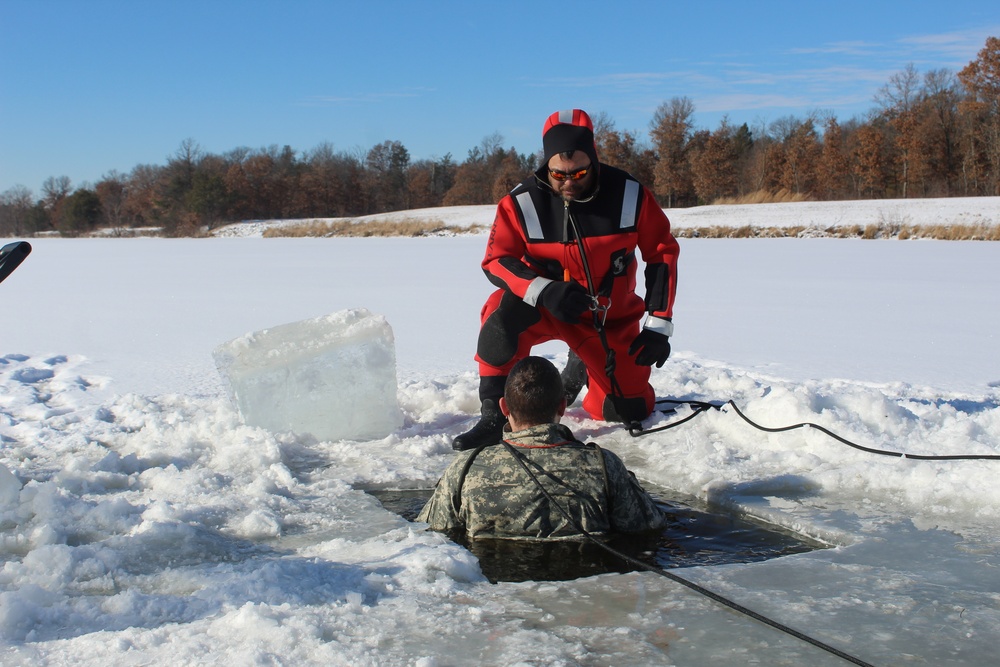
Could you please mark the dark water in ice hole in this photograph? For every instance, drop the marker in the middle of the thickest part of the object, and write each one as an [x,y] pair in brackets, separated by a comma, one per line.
[697,535]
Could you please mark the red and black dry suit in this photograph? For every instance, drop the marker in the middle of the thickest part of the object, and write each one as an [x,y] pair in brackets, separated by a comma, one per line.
[534,241]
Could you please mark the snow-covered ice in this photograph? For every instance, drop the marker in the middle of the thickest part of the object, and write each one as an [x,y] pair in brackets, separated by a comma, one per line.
[331,377]
[143,523]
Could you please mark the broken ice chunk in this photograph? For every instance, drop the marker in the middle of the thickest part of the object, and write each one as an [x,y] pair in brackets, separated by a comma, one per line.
[332,377]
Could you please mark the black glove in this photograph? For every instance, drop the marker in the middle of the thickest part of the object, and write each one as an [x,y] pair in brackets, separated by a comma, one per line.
[567,301]
[652,346]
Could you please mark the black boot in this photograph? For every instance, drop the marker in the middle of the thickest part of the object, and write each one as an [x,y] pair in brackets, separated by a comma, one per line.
[488,431]
[574,377]
[629,411]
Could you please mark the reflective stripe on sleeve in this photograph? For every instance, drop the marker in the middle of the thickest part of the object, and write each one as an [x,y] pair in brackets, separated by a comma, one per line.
[659,325]
[630,203]
[531,221]
[535,289]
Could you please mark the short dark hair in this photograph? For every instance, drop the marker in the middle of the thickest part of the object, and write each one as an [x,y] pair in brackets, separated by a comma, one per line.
[534,391]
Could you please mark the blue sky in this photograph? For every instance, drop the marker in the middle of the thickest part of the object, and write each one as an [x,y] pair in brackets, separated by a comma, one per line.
[87,87]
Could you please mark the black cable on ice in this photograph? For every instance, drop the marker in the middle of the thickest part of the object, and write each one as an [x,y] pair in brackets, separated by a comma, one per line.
[703,406]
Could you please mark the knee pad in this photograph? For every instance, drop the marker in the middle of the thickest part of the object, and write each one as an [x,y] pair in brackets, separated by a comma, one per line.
[498,338]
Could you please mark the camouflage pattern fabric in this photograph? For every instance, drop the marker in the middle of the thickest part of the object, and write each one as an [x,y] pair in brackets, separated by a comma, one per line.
[497,498]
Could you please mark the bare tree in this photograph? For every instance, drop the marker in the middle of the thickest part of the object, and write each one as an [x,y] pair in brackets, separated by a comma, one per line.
[15,206]
[55,190]
[143,195]
[898,101]
[901,92]
[112,190]
[940,125]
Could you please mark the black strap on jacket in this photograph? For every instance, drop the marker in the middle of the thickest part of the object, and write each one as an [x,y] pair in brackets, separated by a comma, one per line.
[457,497]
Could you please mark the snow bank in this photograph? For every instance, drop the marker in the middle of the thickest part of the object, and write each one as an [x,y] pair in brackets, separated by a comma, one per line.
[820,215]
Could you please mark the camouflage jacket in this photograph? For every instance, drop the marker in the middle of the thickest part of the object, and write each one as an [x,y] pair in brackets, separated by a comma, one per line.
[488,494]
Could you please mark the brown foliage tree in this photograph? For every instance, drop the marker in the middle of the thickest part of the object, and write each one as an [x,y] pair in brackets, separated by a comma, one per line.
[802,152]
[429,180]
[671,132]
[833,166]
[981,77]
[249,181]
[327,180]
[622,149]
[869,161]
[143,202]
[475,178]
[938,138]
[510,173]
[714,166]
[981,80]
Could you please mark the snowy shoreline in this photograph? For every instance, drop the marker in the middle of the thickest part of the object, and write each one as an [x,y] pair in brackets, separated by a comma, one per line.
[942,212]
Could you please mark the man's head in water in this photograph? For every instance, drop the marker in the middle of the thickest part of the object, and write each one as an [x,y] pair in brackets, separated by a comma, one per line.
[533,394]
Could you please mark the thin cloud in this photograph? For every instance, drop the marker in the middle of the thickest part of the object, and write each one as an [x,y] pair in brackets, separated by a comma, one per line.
[777,101]
[838,76]
[362,97]
[961,45]
[712,103]
[855,48]
[729,76]
[618,80]
[814,77]
[736,88]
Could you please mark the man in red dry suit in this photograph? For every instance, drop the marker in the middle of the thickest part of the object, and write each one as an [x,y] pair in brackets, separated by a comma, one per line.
[562,253]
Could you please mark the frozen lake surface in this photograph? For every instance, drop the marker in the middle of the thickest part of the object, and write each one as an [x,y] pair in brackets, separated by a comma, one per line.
[142,523]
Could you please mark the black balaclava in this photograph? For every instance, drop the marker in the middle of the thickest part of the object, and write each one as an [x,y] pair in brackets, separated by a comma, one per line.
[570,130]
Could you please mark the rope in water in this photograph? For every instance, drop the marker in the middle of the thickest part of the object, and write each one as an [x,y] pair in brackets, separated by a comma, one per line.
[678,579]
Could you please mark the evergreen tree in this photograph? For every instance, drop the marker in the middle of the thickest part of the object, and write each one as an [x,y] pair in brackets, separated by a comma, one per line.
[81,213]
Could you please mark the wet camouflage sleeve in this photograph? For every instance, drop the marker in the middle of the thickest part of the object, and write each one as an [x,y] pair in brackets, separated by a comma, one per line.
[632,509]
[440,511]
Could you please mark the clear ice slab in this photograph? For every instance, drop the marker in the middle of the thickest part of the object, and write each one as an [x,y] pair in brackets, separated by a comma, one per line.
[331,377]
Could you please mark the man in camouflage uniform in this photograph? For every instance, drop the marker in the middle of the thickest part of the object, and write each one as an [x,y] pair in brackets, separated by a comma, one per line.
[486,492]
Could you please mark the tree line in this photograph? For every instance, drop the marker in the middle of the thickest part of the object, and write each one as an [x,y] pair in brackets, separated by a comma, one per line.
[935,134]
